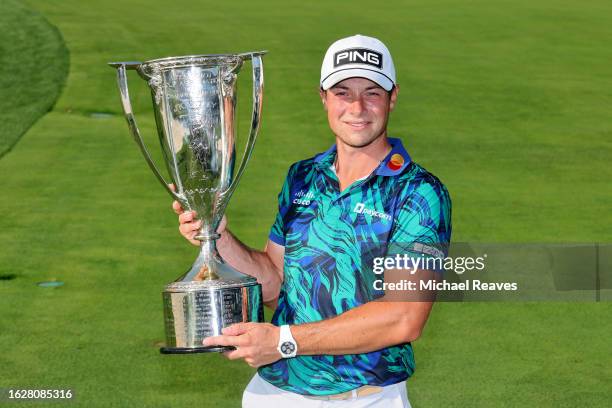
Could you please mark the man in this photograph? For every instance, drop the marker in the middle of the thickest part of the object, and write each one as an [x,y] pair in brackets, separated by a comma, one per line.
[335,336]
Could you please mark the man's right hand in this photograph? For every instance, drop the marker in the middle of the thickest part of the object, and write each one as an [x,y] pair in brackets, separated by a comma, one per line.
[189,225]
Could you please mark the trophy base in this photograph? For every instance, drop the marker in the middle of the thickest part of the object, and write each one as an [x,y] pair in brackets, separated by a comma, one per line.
[195,310]
[194,350]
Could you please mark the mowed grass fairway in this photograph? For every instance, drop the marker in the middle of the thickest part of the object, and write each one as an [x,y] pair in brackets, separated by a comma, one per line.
[508,102]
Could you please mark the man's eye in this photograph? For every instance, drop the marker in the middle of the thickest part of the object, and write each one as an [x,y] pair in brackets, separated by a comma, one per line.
[373,93]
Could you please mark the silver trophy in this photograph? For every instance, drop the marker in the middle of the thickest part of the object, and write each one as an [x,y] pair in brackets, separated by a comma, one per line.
[194,100]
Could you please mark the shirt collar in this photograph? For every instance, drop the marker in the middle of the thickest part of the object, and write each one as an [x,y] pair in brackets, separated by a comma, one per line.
[393,164]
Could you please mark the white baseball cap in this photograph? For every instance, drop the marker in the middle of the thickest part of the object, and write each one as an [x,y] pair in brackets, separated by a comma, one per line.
[358,56]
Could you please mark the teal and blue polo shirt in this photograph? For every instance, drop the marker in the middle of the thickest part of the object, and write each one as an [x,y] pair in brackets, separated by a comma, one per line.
[330,239]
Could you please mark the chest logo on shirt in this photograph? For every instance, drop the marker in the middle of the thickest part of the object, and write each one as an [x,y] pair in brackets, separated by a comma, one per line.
[360,208]
[303,197]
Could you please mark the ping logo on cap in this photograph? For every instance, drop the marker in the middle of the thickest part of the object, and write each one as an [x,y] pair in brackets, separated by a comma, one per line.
[358,56]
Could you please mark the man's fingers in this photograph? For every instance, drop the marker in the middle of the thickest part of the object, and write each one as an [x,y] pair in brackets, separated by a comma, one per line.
[176,206]
[235,329]
[187,216]
[236,341]
[189,232]
[189,227]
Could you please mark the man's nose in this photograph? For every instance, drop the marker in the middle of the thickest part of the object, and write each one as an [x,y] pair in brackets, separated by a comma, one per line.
[356,106]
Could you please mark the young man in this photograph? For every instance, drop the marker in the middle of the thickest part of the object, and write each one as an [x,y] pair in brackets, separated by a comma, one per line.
[335,336]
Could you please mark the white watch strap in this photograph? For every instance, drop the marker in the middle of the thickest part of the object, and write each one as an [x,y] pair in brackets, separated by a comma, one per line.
[287,346]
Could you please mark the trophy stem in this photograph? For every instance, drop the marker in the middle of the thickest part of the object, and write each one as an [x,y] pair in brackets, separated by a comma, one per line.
[207,261]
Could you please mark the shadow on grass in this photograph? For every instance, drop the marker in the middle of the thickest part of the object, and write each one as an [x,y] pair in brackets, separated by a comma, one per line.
[33,70]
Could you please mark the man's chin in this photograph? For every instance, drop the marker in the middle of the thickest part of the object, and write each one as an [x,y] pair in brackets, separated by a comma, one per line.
[358,140]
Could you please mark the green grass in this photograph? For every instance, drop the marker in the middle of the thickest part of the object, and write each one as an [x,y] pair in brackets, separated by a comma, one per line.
[507,102]
[33,69]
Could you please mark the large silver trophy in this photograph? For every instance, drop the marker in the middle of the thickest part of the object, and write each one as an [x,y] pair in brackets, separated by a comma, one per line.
[194,100]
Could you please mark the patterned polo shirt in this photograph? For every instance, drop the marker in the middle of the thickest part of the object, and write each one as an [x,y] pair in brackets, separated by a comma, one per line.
[331,238]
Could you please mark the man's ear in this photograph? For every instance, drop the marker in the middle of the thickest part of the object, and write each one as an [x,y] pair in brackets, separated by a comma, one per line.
[323,95]
[393,97]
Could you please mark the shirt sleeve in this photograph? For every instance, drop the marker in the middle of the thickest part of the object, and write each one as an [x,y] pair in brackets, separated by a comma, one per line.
[423,224]
[277,232]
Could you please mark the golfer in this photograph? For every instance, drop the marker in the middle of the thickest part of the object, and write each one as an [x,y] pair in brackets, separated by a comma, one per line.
[336,339]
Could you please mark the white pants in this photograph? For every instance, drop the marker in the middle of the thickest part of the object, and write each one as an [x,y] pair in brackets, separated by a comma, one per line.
[261,394]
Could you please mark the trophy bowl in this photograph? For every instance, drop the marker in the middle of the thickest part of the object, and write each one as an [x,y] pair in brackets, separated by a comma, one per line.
[194,102]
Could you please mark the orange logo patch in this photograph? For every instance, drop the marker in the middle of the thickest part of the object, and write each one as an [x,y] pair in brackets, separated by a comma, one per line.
[395,162]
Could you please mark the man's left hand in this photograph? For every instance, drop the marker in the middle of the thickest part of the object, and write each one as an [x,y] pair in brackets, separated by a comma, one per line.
[255,342]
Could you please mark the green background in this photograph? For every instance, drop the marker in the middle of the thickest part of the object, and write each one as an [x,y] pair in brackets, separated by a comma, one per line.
[508,102]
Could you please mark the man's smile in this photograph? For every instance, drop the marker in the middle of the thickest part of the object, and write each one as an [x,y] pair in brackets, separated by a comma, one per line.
[357,124]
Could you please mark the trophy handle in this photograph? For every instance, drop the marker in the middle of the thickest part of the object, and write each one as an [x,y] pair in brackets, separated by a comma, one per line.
[258,81]
[129,115]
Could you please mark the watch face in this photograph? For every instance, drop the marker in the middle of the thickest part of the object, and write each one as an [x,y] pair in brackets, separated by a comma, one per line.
[287,347]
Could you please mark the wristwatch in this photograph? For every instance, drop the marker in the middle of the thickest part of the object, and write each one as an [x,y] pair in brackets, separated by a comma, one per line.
[287,346]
